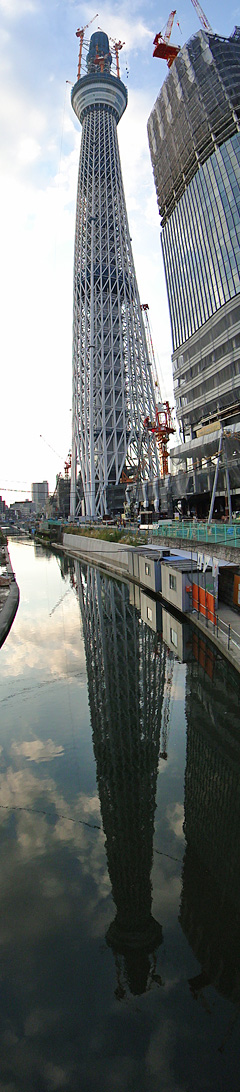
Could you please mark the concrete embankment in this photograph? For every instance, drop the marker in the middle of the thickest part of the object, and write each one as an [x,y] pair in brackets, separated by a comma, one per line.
[10,606]
[113,556]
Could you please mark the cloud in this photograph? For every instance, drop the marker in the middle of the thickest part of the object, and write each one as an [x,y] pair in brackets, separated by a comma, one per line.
[38,644]
[160,1060]
[76,826]
[15,9]
[28,150]
[175,816]
[121,25]
[36,750]
[40,141]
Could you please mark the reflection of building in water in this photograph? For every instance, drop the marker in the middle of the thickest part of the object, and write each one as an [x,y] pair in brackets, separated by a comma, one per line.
[210,902]
[126,673]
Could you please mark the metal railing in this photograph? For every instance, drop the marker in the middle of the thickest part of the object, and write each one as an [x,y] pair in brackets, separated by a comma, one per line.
[227,534]
[217,626]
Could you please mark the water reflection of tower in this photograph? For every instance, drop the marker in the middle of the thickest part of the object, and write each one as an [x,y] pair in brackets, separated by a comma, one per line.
[126,674]
[210,901]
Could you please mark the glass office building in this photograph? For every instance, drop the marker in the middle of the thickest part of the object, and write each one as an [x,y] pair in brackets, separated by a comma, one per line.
[194,138]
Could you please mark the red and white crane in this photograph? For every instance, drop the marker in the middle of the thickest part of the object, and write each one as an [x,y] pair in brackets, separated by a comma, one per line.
[80,34]
[203,18]
[162,47]
[162,427]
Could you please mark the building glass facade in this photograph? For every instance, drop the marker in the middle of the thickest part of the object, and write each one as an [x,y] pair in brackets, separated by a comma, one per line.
[194,142]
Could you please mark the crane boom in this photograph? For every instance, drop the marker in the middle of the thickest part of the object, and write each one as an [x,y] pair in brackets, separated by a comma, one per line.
[203,18]
[169,26]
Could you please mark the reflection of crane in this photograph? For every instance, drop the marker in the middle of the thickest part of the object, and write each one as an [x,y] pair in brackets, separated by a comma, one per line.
[59,602]
[166,710]
[162,45]
[80,34]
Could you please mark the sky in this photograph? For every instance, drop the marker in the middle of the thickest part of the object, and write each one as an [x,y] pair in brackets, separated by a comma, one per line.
[39,150]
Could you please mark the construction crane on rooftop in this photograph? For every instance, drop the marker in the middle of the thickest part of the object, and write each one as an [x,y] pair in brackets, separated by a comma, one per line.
[203,18]
[163,49]
[116,47]
[80,34]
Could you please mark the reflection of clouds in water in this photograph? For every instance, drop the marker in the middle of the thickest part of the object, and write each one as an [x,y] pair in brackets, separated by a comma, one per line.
[167,885]
[76,826]
[160,1059]
[175,816]
[37,751]
[55,647]
[56,1076]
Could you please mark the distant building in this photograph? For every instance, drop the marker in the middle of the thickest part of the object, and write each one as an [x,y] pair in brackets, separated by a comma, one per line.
[40,492]
[22,509]
[63,496]
[194,143]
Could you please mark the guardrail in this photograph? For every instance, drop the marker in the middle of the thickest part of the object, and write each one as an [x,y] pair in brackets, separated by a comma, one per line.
[227,534]
[218,627]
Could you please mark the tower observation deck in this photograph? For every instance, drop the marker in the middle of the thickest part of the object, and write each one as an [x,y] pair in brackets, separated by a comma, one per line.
[113,389]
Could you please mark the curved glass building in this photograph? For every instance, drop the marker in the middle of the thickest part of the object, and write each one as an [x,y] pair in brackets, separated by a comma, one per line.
[194,137]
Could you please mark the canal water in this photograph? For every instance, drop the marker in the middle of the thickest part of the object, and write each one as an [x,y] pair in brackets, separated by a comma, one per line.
[119,843]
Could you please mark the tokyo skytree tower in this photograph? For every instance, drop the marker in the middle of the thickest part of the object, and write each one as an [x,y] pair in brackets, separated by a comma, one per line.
[113,390]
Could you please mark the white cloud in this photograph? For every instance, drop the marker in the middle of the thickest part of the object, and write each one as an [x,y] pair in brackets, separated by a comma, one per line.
[175,816]
[40,143]
[14,9]
[121,25]
[37,750]
[28,150]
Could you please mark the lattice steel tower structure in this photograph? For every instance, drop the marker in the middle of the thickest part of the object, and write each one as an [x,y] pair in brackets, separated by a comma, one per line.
[113,390]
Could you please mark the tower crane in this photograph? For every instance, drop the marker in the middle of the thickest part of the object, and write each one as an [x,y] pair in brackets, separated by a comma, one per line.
[67,466]
[80,34]
[203,18]
[163,49]
[116,46]
[162,427]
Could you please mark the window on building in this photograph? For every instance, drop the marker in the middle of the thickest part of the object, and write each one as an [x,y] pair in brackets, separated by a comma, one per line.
[173,637]
[147,569]
[149,614]
[172,582]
